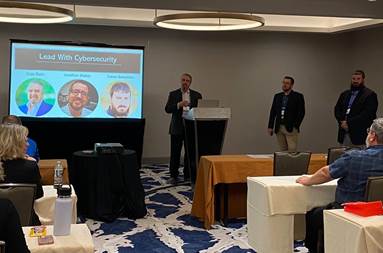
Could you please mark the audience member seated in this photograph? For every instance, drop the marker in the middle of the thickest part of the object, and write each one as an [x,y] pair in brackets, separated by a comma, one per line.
[10,228]
[353,170]
[15,167]
[32,149]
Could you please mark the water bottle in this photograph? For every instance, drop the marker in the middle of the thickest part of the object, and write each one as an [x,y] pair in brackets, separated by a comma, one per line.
[58,175]
[63,211]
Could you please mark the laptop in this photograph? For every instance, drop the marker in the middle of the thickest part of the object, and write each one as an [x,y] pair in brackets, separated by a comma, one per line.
[208,103]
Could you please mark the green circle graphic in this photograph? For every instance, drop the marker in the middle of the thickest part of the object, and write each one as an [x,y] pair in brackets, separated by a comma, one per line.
[22,92]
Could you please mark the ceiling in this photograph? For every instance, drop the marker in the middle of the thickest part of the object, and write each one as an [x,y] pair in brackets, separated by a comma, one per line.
[335,8]
[326,16]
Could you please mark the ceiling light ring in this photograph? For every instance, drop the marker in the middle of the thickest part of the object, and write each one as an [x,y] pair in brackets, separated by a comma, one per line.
[67,14]
[256,20]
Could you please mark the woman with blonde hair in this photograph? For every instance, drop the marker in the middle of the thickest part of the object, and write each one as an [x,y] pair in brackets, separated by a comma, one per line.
[15,167]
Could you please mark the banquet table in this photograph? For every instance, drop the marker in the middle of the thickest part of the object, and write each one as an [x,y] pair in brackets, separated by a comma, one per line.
[45,206]
[79,241]
[272,204]
[233,170]
[47,168]
[108,186]
[349,233]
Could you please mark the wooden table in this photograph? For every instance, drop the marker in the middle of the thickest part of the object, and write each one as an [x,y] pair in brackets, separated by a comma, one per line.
[233,169]
[47,168]
[349,233]
[79,241]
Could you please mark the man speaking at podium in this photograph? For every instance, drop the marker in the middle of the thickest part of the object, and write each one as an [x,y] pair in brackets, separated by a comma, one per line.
[179,100]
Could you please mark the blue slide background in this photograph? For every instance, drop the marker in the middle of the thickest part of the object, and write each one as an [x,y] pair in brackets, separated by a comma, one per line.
[100,80]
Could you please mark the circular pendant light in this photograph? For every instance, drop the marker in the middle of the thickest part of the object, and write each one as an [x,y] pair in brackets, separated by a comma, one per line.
[22,12]
[209,21]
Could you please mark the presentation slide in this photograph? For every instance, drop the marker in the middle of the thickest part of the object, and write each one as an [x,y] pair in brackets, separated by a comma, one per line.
[66,81]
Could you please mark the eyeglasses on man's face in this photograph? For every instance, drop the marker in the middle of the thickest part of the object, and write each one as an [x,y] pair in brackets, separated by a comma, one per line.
[79,92]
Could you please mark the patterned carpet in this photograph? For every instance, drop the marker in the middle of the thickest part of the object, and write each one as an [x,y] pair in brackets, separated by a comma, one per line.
[168,226]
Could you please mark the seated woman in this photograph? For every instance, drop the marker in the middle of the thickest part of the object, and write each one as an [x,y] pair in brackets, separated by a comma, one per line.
[32,149]
[15,167]
[11,232]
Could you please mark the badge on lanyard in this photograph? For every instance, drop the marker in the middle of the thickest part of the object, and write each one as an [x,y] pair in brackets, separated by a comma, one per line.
[348,111]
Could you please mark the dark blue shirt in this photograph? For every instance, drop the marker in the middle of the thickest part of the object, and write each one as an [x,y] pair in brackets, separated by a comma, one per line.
[353,170]
[285,99]
[352,98]
[32,149]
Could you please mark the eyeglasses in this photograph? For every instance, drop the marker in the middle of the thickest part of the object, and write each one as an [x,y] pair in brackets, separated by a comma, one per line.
[79,92]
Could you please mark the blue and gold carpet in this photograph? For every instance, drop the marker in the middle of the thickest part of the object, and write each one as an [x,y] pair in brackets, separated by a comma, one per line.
[168,226]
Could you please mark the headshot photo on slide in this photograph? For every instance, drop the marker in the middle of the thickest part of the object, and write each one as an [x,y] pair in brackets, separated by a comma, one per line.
[118,99]
[77,98]
[35,97]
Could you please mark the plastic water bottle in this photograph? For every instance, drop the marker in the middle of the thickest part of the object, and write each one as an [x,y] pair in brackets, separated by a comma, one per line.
[58,175]
[63,211]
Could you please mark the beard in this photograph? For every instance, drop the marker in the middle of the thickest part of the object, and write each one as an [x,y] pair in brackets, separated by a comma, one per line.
[356,86]
[119,114]
[286,89]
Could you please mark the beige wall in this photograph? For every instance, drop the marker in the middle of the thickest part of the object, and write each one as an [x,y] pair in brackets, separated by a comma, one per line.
[241,69]
[367,54]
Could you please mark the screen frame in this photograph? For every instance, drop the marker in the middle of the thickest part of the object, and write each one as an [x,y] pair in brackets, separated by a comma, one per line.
[83,44]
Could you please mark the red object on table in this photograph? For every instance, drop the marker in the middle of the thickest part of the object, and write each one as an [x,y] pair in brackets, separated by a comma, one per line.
[364,208]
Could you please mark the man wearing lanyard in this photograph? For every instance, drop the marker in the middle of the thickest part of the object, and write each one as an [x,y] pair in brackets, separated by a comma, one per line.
[179,100]
[286,115]
[355,110]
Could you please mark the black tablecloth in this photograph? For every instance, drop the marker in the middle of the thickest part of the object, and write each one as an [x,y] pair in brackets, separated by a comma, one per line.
[107,186]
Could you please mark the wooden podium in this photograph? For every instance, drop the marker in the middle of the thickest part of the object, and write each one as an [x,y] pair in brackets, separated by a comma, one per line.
[204,134]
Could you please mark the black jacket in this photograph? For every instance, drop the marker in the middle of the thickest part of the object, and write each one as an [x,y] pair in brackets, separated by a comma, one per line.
[176,126]
[362,113]
[10,228]
[22,171]
[294,113]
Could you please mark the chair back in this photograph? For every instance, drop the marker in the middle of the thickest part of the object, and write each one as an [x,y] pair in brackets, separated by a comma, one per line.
[374,189]
[2,247]
[291,163]
[22,196]
[336,152]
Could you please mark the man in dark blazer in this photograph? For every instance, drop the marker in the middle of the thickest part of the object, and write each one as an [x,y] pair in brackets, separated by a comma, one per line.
[179,100]
[286,115]
[355,110]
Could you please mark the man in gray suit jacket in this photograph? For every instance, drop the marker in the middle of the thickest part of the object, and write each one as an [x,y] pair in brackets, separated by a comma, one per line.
[179,100]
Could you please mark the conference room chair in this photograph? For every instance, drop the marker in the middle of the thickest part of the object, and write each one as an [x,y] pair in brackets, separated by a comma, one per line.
[291,163]
[22,196]
[336,152]
[374,189]
[2,247]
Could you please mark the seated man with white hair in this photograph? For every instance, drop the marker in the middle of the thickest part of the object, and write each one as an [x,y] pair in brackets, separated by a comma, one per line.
[353,170]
